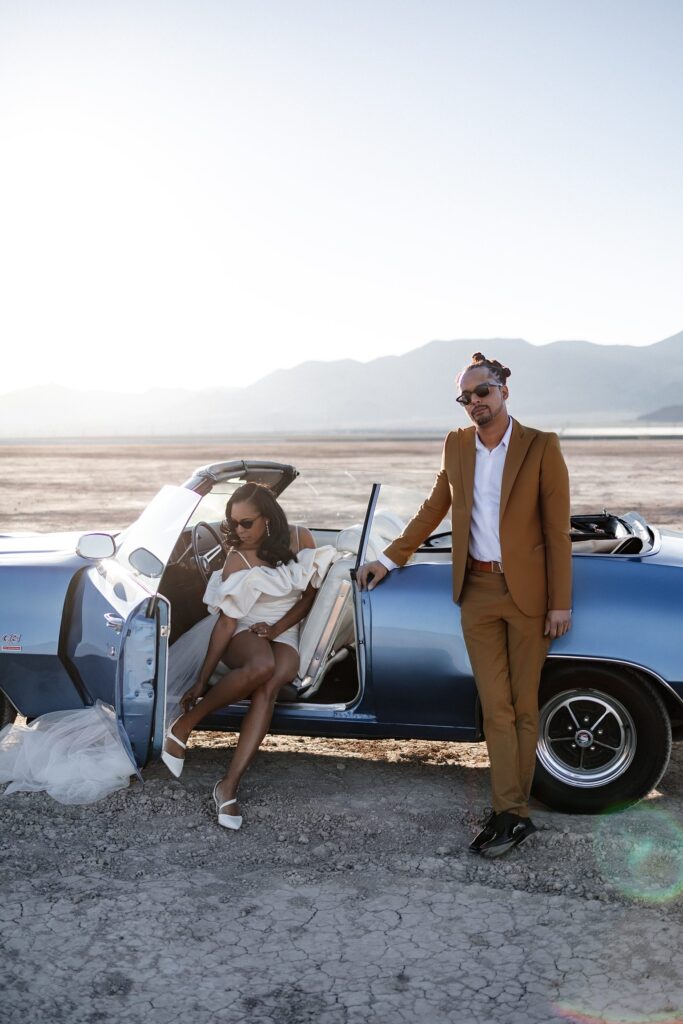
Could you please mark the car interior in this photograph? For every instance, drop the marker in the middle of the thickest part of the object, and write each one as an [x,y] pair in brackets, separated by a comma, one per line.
[607,534]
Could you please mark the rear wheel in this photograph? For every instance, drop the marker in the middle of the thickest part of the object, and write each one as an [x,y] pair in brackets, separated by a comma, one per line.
[604,739]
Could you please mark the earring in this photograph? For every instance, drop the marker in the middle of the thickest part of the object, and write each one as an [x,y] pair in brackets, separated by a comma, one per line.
[267,528]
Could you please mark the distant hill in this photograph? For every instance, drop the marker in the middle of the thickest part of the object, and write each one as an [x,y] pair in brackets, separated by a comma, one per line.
[563,384]
[669,414]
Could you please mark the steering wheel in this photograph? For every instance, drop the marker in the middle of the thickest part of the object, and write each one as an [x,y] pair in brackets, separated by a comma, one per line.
[433,541]
[205,553]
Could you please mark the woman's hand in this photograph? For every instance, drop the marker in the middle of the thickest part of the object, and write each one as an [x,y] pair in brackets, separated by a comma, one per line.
[263,629]
[191,696]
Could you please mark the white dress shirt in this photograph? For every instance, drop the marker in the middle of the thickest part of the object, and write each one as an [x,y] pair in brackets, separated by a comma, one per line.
[485,521]
[488,477]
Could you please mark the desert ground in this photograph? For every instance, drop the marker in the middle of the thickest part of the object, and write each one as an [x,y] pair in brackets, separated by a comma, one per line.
[348,895]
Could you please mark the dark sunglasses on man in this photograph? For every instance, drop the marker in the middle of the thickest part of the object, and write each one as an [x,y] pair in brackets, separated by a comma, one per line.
[481,391]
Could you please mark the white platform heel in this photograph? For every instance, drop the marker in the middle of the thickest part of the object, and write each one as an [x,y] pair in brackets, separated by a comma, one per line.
[174,764]
[233,821]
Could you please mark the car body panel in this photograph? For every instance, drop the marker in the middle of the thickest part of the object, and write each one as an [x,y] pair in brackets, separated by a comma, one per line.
[611,620]
[32,597]
[421,673]
[111,648]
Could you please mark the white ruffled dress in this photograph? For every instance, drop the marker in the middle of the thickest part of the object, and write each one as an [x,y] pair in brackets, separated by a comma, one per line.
[264,593]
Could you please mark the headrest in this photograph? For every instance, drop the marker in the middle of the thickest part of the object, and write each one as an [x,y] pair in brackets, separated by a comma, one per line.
[349,540]
[387,526]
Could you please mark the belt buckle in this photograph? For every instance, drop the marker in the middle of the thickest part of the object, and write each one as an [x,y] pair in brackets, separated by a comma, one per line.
[497,567]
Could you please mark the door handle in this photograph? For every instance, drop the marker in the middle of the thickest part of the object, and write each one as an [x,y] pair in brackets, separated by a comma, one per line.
[114,622]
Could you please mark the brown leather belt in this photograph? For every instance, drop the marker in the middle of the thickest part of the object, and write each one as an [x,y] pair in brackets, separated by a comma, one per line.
[474,563]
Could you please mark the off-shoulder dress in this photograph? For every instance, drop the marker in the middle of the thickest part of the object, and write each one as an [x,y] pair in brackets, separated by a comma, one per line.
[264,593]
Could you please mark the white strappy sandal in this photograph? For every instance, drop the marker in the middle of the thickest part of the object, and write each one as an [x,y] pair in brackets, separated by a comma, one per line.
[233,821]
[174,764]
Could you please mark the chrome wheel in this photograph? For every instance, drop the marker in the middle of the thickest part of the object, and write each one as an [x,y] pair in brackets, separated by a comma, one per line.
[586,738]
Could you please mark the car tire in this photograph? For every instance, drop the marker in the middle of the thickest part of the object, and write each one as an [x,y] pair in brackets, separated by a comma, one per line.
[604,739]
[7,711]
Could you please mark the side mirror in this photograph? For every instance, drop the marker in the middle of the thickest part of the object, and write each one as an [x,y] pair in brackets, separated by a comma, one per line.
[96,546]
[145,562]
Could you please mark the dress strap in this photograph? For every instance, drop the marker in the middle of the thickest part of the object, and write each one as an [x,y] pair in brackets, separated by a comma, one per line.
[243,557]
[298,543]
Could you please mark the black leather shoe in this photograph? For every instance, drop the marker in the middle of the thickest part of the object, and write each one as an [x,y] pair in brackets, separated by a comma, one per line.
[488,832]
[509,830]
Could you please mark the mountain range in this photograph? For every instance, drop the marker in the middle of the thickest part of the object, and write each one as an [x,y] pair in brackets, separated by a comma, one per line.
[559,385]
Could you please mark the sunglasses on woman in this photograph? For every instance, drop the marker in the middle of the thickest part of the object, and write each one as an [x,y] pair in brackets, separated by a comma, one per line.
[481,391]
[246,524]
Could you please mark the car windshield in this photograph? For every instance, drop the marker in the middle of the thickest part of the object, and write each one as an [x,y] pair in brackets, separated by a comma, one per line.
[145,547]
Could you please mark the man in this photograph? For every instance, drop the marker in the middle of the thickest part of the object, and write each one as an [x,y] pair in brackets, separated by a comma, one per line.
[507,489]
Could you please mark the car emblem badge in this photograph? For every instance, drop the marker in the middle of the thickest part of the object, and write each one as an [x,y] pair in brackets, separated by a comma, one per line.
[11,642]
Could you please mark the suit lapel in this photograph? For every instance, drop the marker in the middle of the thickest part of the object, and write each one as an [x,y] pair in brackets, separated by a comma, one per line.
[520,439]
[467,459]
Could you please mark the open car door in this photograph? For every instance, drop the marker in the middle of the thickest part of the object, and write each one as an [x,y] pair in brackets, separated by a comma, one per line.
[117,634]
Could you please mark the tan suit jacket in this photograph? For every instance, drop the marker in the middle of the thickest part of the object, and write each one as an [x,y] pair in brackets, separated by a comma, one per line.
[534,517]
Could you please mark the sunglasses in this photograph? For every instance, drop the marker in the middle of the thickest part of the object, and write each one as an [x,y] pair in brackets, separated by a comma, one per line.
[481,391]
[246,524]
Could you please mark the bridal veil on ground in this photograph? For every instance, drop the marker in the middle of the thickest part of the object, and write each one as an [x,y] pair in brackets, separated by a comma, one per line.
[77,757]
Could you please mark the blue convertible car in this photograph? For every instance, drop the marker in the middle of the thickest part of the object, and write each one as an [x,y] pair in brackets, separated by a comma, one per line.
[94,616]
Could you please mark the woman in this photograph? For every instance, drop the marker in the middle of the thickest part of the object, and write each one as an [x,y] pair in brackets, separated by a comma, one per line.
[264,590]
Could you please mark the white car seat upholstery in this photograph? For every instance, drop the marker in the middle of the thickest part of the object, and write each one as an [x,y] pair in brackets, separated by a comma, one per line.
[328,627]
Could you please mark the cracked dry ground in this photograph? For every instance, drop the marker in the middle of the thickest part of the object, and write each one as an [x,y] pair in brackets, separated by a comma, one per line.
[348,895]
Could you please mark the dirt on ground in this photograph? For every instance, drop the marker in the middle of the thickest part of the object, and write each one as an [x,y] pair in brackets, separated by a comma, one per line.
[105,486]
[349,894]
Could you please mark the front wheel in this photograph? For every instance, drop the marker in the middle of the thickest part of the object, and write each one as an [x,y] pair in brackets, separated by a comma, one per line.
[604,739]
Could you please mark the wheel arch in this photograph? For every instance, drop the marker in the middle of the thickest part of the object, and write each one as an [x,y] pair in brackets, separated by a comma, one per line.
[673,703]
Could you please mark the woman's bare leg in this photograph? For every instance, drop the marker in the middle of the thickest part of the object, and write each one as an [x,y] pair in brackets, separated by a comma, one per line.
[254,664]
[256,722]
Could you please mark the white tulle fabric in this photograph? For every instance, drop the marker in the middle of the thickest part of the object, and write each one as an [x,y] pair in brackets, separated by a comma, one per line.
[77,757]
[185,658]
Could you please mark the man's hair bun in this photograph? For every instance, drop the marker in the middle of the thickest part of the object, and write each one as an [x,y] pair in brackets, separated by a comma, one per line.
[478,359]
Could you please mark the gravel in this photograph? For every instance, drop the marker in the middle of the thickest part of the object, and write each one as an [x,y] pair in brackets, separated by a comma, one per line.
[141,907]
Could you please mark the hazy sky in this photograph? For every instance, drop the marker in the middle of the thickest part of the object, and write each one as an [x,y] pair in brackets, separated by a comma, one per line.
[195,193]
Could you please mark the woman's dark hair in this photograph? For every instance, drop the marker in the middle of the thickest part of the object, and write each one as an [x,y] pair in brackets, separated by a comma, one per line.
[492,365]
[275,548]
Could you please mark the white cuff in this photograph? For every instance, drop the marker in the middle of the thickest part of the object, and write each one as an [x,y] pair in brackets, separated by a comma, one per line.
[386,562]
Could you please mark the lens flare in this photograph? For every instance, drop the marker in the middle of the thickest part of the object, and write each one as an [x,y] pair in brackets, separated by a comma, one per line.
[640,854]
